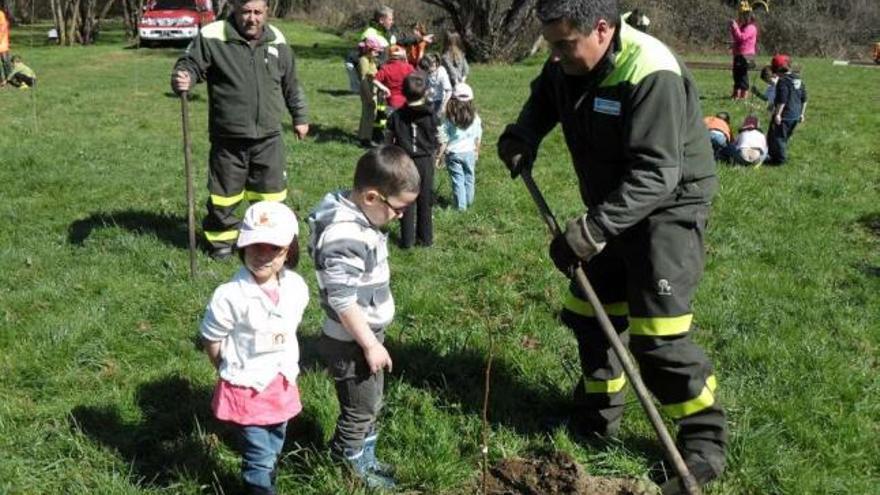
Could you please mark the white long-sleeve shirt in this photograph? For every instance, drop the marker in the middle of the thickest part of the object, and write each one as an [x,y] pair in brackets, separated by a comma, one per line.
[751,138]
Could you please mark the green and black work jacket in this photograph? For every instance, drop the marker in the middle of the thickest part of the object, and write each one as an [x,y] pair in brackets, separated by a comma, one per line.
[633,126]
[249,87]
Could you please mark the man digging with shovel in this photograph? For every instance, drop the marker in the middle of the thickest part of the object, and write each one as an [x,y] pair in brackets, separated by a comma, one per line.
[252,81]
[631,119]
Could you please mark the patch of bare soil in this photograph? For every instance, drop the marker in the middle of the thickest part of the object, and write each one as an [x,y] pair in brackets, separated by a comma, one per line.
[557,474]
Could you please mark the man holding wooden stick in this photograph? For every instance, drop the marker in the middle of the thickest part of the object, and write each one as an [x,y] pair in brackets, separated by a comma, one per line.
[631,118]
[252,80]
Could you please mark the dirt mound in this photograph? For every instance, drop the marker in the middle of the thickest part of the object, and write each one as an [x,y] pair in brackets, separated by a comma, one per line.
[556,475]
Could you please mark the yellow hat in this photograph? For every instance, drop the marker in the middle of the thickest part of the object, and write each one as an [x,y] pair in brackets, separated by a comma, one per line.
[744,7]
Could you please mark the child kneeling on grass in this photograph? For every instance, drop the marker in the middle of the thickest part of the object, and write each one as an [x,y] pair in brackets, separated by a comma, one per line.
[350,251]
[719,132]
[21,76]
[460,136]
[249,332]
[750,145]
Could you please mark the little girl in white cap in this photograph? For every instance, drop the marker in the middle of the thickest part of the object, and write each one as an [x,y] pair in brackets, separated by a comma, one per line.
[249,333]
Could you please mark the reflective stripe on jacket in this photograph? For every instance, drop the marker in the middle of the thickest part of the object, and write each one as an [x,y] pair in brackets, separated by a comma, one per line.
[249,87]
[634,129]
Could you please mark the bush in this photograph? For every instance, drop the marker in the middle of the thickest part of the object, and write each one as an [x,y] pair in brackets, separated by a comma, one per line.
[353,15]
[844,28]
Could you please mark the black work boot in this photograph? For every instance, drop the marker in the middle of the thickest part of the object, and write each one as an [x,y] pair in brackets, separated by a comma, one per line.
[220,253]
[702,470]
[593,423]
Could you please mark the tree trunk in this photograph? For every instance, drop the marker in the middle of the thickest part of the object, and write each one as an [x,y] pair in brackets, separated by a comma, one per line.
[86,25]
[491,29]
[131,12]
[78,21]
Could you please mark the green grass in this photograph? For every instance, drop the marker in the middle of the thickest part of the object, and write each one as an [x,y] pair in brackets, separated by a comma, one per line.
[104,390]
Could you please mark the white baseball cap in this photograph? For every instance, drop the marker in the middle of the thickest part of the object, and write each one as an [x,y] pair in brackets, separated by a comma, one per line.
[463,92]
[268,222]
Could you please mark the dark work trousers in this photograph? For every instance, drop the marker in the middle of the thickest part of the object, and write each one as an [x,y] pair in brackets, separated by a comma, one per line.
[19,79]
[381,120]
[777,141]
[417,225]
[646,278]
[740,72]
[5,66]
[368,110]
[359,393]
[241,169]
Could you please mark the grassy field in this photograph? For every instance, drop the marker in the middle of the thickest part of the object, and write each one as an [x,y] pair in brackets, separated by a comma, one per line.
[104,390]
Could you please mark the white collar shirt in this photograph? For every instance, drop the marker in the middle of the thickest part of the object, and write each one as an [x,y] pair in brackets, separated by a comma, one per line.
[258,337]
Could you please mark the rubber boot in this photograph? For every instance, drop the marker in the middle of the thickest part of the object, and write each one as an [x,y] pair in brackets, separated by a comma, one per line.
[360,466]
[373,462]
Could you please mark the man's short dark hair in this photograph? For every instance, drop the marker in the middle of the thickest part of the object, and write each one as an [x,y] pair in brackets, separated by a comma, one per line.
[581,14]
[415,86]
[239,3]
[388,169]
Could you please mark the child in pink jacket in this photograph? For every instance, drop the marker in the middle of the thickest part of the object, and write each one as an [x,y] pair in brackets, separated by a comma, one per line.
[744,32]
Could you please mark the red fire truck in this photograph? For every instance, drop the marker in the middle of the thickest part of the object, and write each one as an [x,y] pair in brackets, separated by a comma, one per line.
[173,20]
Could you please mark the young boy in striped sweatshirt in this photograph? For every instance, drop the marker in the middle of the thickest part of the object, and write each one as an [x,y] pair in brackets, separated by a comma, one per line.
[350,252]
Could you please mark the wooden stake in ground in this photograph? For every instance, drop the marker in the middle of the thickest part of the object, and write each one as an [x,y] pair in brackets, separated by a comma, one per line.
[190,197]
[484,449]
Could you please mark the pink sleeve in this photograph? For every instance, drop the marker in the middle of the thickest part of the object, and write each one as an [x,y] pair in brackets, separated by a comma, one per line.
[751,33]
[738,35]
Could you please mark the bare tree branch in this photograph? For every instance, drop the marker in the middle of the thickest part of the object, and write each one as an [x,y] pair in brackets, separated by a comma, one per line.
[491,29]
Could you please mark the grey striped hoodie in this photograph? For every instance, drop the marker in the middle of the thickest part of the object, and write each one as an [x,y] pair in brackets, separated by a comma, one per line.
[351,264]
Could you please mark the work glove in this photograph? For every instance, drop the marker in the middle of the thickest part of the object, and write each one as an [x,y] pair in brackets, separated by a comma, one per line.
[581,240]
[516,155]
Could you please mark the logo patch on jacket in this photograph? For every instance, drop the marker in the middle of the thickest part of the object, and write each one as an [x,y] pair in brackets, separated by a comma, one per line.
[608,107]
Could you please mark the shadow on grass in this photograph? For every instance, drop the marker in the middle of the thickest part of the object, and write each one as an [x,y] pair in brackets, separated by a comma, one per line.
[321,52]
[168,441]
[178,436]
[192,96]
[524,407]
[337,93]
[458,378]
[871,223]
[325,134]
[170,229]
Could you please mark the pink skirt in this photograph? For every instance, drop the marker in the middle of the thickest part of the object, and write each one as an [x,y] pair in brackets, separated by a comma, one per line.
[277,403]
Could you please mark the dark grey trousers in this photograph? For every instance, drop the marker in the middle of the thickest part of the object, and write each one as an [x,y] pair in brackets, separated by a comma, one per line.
[359,393]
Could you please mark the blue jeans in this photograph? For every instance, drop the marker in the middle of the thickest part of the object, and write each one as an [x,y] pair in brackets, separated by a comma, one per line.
[719,143]
[461,168]
[260,447]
